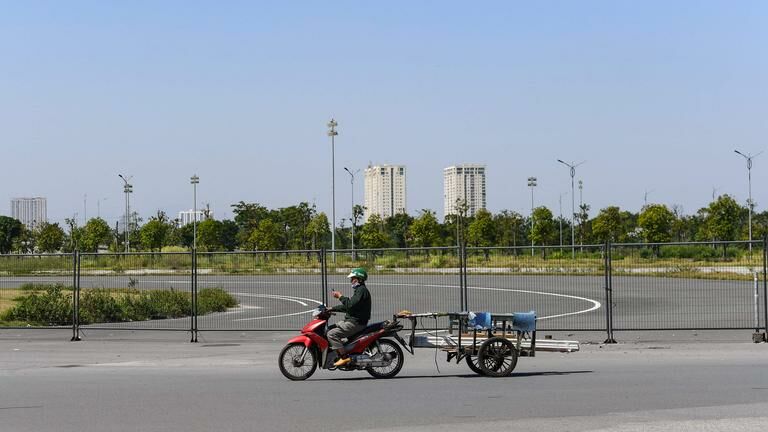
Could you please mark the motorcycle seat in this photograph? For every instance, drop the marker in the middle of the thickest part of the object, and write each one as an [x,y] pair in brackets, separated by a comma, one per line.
[370,328]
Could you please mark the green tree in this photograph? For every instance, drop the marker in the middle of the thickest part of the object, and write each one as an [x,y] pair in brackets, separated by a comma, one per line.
[481,230]
[397,228]
[372,233]
[228,235]
[507,229]
[265,237]
[10,230]
[247,218]
[543,230]
[610,224]
[585,228]
[425,230]
[49,237]
[209,235]
[319,231]
[153,234]
[656,223]
[95,233]
[722,219]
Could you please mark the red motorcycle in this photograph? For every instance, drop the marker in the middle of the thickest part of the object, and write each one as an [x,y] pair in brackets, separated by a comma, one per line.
[370,349]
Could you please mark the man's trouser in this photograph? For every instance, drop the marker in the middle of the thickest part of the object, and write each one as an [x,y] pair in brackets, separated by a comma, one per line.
[343,329]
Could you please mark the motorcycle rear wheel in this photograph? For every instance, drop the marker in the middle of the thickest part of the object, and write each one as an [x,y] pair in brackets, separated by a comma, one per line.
[291,364]
[387,347]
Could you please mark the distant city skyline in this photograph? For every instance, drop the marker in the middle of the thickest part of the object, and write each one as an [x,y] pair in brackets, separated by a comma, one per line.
[655,96]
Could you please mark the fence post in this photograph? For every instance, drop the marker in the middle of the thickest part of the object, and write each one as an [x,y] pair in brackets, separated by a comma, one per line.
[765,286]
[608,292]
[75,296]
[324,276]
[193,318]
[461,252]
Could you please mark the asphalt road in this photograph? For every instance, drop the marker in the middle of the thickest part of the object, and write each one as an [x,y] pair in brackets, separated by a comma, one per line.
[232,383]
[571,303]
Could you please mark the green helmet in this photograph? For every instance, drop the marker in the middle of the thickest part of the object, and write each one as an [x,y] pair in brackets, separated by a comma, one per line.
[359,273]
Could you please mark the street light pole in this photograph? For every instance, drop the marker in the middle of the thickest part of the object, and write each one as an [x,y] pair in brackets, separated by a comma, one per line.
[194,180]
[749,202]
[572,166]
[127,189]
[352,182]
[532,184]
[581,209]
[561,219]
[332,133]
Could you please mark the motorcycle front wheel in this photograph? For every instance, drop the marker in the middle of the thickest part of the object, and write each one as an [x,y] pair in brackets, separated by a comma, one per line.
[293,366]
[386,347]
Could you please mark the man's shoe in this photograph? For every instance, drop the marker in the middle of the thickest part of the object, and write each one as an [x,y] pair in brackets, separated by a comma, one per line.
[342,361]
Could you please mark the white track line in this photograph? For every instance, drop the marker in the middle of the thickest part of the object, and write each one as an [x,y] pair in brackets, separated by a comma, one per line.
[280,297]
[595,304]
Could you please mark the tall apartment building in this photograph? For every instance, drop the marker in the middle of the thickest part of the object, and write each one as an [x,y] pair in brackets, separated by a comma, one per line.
[30,211]
[384,190]
[188,216]
[465,183]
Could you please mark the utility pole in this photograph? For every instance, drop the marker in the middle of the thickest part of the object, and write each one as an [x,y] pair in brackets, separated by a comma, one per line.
[749,202]
[572,166]
[532,184]
[332,133]
[354,219]
[127,189]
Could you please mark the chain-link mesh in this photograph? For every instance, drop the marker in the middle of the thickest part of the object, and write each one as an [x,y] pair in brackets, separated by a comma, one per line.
[566,293]
[687,286]
[36,291]
[418,280]
[652,286]
[272,290]
[136,291]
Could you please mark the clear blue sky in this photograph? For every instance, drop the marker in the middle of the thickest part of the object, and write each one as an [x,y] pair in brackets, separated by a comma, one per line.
[654,95]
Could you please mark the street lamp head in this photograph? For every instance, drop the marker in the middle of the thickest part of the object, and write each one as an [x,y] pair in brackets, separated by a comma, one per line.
[194,179]
[332,128]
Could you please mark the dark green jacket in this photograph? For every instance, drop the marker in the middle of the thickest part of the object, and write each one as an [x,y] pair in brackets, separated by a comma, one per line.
[357,308]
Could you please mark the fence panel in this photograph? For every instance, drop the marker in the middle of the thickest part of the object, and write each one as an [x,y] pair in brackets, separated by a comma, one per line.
[36,291]
[418,279]
[566,293]
[272,290]
[697,286]
[136,291]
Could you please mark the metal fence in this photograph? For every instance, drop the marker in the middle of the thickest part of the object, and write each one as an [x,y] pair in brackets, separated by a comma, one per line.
[609,287]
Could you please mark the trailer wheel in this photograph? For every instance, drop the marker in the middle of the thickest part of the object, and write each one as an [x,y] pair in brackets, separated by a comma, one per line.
[473,362]
[497,357]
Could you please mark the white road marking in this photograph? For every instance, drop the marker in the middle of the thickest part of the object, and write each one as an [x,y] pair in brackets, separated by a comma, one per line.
[279,297]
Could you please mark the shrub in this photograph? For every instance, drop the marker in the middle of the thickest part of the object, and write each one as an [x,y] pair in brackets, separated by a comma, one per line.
[98,306]
[31,286]
[170,304]
[214,300]
[53,307]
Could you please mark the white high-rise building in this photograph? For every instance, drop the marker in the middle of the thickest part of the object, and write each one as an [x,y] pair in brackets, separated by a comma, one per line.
[30,211]
[384,190]
[188,216]
[466,184]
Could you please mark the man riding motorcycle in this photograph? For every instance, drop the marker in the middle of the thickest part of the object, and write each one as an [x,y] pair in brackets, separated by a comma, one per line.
[357,313]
